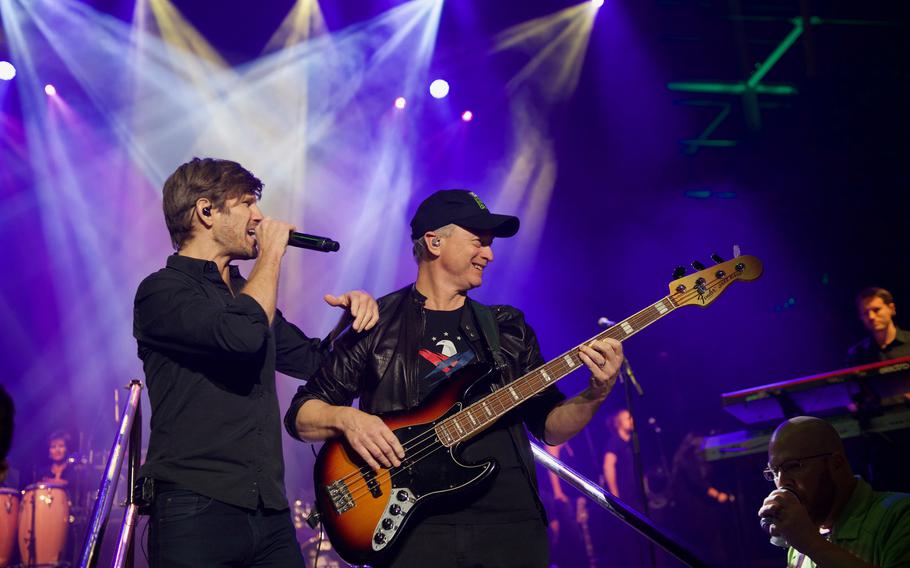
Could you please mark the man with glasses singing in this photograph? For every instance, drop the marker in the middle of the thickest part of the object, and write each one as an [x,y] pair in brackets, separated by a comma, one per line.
[829,517]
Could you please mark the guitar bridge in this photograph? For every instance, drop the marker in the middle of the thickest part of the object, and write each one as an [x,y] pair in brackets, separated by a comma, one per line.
[340,496]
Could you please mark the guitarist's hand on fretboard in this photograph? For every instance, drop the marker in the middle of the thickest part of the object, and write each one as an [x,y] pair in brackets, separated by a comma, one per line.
[603,358]
[373,441]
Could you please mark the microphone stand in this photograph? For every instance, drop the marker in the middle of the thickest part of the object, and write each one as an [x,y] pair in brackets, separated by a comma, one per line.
[664,463]
[627,377]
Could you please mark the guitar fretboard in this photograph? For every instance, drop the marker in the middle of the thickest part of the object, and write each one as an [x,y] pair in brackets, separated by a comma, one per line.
[483,413]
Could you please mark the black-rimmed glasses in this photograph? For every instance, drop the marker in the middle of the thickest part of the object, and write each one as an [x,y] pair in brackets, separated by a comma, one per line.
[790,466]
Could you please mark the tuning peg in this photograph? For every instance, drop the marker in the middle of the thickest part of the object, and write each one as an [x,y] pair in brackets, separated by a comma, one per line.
[679,272]
[697,265]
[716,258]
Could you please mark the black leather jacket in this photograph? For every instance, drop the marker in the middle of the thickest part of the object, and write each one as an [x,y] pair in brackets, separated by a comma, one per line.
[381,367]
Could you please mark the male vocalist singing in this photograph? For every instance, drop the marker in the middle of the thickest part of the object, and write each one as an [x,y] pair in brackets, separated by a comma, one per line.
[210,342]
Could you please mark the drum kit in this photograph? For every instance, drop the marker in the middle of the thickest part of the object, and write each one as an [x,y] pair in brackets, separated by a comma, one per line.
[41,518]
[46,518]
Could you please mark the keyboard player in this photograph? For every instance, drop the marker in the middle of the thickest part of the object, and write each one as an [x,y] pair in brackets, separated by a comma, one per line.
[883,452]
[886,340]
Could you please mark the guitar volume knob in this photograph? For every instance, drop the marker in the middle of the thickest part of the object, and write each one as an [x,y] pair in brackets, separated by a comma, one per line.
[387,523]
[402,495]
[379,538]
[395,509]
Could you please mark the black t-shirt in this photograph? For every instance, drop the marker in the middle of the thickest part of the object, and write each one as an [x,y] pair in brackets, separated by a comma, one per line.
[443,350]
[626,483]
[507,498]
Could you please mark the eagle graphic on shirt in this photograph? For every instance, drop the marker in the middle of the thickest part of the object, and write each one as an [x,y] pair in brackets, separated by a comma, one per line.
[446,361]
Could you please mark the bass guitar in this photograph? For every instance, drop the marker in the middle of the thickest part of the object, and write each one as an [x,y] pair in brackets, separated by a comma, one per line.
[365,512]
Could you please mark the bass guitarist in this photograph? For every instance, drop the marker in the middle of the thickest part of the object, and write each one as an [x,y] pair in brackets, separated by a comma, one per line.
[427,331]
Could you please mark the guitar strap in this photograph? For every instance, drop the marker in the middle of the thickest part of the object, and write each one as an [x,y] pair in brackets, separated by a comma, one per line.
[486,321]
[490,332]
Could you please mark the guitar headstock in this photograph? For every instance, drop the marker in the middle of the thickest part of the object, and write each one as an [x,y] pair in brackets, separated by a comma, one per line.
[704,286]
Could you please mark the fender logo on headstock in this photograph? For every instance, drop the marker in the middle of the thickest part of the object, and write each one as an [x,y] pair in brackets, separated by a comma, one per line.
[705,292]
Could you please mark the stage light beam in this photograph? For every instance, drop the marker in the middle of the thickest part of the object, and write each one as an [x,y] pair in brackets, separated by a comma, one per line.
[7,71]
[50,90]
[400,103]
[467,116]
[439,89]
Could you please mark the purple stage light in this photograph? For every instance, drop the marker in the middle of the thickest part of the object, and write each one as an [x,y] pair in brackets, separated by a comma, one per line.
[50,90]
[439,88]
[467,116]
[400,103]
[7,71]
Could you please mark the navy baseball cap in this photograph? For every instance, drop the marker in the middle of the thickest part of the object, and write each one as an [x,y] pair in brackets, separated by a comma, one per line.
[463,208]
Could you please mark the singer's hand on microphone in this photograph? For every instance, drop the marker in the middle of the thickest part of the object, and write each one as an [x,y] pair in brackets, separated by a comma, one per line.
[272,236]
[790,520]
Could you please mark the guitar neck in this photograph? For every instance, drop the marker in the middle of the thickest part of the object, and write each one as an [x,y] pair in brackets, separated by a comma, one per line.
[480,415]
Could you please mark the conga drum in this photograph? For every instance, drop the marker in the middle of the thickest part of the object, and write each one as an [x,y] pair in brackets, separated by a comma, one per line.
[43,524]
[9,524]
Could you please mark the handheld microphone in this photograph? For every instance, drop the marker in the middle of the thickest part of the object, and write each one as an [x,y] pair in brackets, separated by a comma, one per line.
[312,242]
[605,322]
[766,523]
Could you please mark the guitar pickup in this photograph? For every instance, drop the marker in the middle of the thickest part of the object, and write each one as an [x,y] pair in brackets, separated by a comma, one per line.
[370,477]
[340,496]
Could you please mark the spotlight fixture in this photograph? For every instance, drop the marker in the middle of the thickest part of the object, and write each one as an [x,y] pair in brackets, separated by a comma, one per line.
[439,89]
[597,3]
[401,102]
[50,90]
[7,71]
[467,116]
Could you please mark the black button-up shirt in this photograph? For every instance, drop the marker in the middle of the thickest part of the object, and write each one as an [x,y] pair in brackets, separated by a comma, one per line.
[210,359]
[868,351]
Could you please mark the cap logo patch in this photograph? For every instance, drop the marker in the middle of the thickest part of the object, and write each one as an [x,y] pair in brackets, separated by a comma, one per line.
[477,200]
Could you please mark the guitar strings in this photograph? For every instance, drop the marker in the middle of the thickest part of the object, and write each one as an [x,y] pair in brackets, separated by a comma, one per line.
[361,489]
[411,444]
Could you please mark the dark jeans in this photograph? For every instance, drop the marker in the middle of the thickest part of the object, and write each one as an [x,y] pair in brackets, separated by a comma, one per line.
[188,529]
[517,545]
